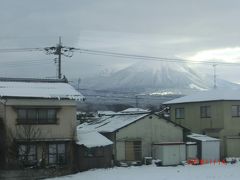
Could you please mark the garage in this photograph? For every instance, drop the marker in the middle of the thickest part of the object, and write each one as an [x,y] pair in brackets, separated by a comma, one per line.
[233,146]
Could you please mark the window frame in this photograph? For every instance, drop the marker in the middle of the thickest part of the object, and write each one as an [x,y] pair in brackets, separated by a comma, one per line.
[238,111]
[28,162]
[183,110]
[204,111]
[57,154]
[37,119]
[137,149]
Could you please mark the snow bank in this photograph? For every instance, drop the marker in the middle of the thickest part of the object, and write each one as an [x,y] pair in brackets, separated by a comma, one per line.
[188,172]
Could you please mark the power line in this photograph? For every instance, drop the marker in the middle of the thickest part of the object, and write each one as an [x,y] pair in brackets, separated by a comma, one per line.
[20,50]
[151,58]
[68,52]
[60,50]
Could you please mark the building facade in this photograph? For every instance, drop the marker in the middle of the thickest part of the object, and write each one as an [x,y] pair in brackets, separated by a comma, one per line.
[39,120]
[215,113]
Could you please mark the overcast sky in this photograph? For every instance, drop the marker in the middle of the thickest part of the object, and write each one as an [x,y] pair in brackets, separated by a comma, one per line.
[193,29]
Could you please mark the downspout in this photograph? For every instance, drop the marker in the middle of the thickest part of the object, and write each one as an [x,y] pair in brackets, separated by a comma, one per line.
[4,101]
[115,148]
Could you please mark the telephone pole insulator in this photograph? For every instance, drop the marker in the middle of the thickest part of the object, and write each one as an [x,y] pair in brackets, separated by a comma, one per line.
[59,50]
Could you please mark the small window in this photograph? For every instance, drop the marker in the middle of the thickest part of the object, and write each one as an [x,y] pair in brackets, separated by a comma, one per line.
[52,115]
[179,113]
[42,115]
[205,111]
[57,153]
[94,152]
[22,115]
[32,115]
[236,111]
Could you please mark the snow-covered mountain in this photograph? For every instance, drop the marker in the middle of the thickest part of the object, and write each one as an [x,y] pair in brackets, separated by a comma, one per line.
[156,78]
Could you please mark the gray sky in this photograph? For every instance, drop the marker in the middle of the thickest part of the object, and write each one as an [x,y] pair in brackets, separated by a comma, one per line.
[194,29]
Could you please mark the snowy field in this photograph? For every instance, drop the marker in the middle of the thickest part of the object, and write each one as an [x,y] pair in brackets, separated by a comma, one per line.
[188,172]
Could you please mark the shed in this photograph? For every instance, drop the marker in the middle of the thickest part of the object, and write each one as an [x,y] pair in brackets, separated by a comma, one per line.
[170,153]
[208,147]
[191,150]
[93,150]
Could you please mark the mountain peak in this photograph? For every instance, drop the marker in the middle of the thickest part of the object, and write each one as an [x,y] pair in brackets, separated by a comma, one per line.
[155,76]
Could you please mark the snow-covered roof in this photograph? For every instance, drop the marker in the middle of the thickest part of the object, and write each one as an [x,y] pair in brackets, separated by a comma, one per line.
[135,110]
[39,89]
[111,123]
[202,137]
[211,95]
[91,139]
[191,143]
[106,112]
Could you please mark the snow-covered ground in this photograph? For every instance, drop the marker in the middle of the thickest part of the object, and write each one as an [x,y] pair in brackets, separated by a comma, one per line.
[188,172]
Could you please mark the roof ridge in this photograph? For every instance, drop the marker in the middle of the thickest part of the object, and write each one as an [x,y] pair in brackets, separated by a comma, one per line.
[8,79]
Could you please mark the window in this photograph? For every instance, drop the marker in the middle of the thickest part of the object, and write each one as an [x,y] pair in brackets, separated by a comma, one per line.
[37,115]
[57,153]
[27,154]
[205,111]
[32,115]
[236,111]
[94,152]
[179,113]
[22,114]
[51,115]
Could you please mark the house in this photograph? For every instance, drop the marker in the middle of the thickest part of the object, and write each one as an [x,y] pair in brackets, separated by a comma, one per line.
[38,120]
[133,133]
[215,113]
[93,150]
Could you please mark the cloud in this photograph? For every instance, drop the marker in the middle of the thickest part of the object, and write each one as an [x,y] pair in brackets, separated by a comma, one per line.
[155,28]
[223,54]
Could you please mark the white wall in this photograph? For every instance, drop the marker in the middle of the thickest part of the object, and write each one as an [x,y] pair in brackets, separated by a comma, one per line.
[170,154]
[210,150]
[191,151]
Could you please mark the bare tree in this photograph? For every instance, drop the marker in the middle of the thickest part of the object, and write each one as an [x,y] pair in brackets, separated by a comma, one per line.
[26,136]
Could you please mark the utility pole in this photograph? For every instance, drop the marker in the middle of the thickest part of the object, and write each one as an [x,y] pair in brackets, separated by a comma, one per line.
[79,80]
[59,53]
[59,50]
[136,97]
[214,76]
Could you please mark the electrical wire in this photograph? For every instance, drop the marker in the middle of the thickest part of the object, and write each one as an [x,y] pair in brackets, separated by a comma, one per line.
[20,50]
[124,55]
[150,58]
